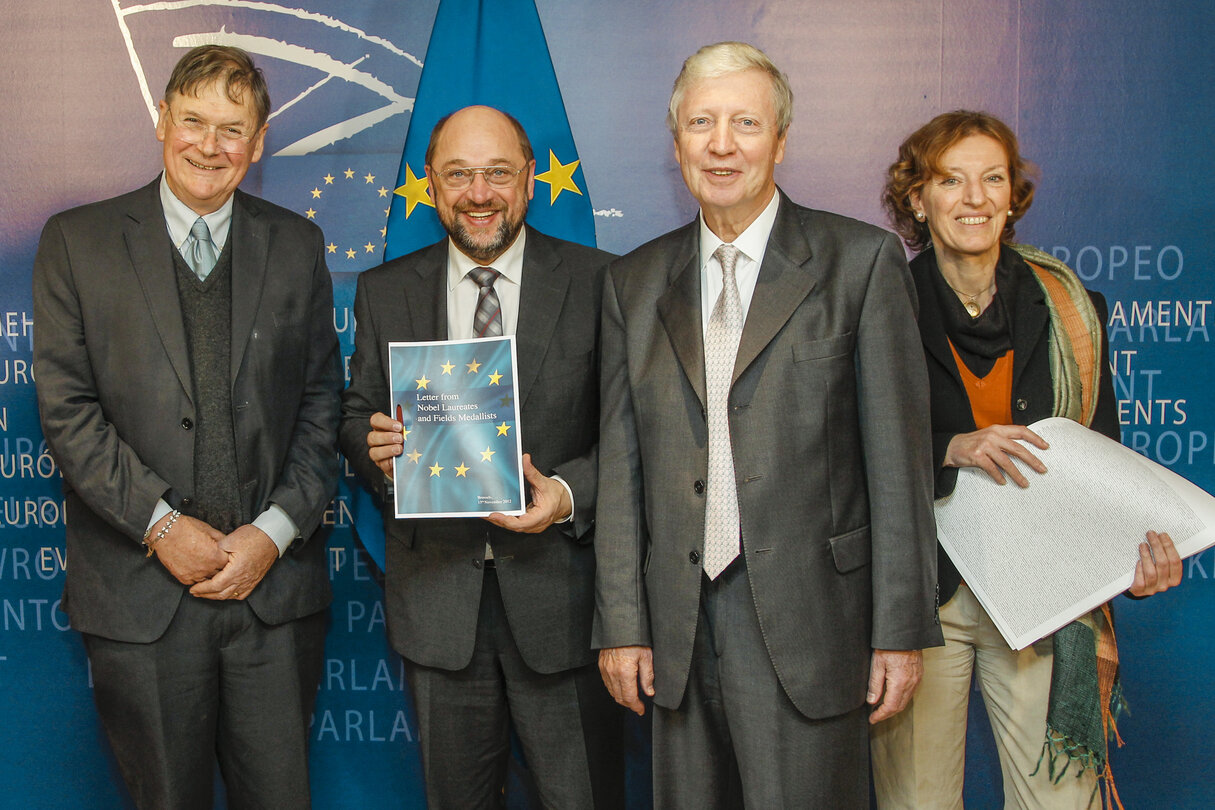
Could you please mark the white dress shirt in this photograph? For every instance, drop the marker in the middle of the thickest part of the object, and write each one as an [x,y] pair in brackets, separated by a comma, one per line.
[462,294]
[751,245]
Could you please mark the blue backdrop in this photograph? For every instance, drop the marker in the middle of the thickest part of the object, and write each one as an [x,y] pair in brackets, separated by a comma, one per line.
[1109,98]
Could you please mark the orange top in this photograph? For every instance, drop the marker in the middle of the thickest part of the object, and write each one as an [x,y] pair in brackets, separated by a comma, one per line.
[990,396]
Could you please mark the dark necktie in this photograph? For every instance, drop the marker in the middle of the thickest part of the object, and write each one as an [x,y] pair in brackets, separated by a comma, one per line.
[487,320]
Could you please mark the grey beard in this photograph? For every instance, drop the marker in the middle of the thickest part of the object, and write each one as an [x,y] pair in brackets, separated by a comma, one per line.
[505,235]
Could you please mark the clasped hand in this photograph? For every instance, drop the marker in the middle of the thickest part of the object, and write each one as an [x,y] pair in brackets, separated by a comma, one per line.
[215,565]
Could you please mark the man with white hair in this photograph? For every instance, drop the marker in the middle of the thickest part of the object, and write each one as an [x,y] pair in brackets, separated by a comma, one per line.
[765,547]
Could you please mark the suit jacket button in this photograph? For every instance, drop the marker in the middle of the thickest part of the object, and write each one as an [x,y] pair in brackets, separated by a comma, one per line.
[477,564]
[187,501]
[187,423]
[694,557]
[1022,404]
[699,487]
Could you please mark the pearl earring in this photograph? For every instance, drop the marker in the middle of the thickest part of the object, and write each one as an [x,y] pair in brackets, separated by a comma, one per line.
[919,215]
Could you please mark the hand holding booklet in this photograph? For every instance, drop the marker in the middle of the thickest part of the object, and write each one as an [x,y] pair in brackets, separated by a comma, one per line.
[1040,557]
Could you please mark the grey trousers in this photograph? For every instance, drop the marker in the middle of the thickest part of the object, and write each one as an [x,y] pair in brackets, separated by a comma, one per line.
[737,741]
[570,728]
[219,684]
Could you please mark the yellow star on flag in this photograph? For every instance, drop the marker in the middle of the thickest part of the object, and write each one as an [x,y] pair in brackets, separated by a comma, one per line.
[560,177]
[503,429]
[404,434]
[461,470]
[369,177]
[351,253]
[415,191]
[435,469]
[332,248]
[487,454]
[349,174]
[422,383]
[494,378]
[473,367]
[328,179]
[370,247]
[414,456]
[447,367]
[383,191]
[310,213]
[316,192]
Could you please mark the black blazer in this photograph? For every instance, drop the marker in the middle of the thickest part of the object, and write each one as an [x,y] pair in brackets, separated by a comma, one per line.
[116,399]
[1032,389]
[434,565]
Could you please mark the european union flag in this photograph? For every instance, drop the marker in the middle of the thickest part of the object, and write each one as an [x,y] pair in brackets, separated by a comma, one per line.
[490,52]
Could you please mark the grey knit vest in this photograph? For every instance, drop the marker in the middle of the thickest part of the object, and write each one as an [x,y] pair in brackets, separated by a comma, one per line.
[206,308]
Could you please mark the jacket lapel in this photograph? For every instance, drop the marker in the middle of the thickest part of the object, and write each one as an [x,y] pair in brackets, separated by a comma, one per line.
[932,322]
[679,309]
[1029,325]
[541,295]
[782,285]
[249,237]
[150,251]
[424,297]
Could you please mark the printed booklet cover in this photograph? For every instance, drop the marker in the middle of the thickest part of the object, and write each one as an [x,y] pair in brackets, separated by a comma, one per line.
[456,400]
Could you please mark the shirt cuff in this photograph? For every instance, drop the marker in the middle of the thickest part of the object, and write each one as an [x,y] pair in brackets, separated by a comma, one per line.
[278,526]
[160,511]
[569,492]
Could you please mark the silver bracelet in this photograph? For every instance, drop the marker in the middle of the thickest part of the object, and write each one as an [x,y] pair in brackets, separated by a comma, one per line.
[164,530]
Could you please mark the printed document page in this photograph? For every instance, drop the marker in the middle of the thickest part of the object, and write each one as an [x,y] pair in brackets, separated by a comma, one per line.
[1040,557]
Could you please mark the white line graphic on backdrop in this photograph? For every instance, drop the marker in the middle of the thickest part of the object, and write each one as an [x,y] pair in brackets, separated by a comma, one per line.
[277,49]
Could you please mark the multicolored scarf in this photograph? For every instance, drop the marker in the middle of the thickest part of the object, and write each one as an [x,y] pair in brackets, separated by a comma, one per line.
[1085,692]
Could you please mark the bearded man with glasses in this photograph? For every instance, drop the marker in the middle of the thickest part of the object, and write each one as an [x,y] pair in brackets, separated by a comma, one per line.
[188,377]
[493,617]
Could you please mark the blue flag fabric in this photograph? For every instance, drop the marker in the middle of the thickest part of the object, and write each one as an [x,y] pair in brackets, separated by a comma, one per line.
[490,52]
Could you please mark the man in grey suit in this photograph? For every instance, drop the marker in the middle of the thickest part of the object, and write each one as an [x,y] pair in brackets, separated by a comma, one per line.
[766,538]
[188,377]
[493,618]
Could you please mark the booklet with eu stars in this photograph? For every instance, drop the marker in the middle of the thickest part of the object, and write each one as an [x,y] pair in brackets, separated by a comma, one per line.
[456,401]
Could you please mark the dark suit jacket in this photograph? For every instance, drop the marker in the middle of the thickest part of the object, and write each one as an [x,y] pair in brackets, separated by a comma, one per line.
[115,397]
[1032,389]
[829,426]
[434,565]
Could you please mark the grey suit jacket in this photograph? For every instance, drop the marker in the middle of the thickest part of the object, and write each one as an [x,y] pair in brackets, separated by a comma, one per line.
[116,399]
[434,571]
[830,433]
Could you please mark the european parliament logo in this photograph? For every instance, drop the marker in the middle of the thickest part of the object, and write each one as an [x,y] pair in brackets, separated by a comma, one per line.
[331,79]
[342,80]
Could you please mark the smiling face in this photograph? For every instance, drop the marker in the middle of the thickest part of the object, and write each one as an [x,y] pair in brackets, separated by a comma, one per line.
[482,220]
[727,145]
[203,175]
[967,202]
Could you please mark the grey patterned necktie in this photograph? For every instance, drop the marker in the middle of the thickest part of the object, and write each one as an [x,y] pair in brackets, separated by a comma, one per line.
[487,320]
[721,348]
[199,250]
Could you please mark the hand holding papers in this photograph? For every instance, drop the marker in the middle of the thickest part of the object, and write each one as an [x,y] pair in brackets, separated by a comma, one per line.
[1039,557]
[462,452]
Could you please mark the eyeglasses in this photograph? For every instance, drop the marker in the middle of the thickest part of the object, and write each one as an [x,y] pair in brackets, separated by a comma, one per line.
[193,130]
[462,177]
